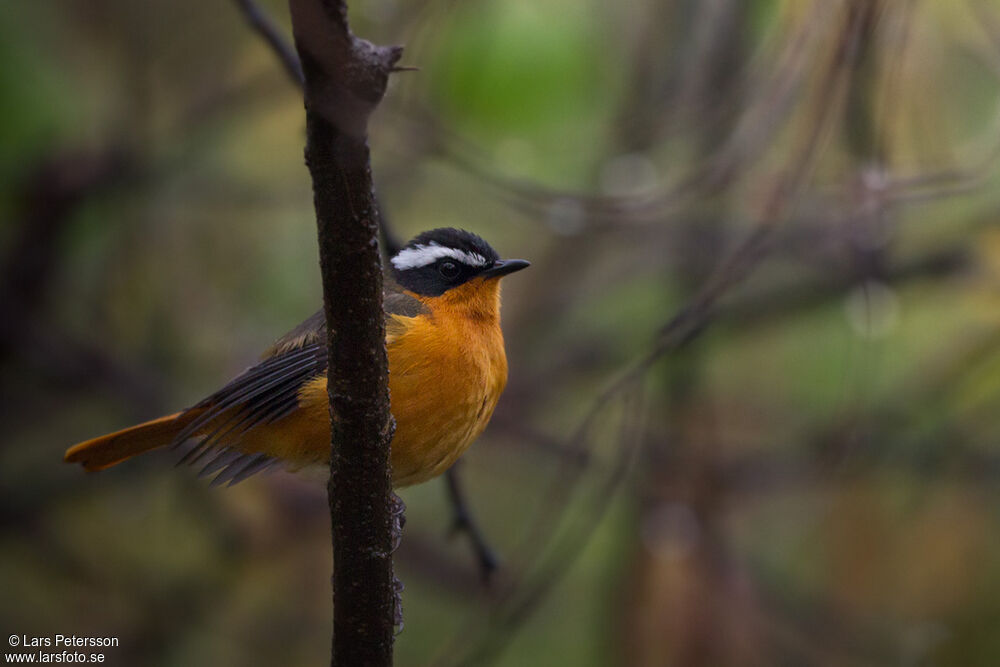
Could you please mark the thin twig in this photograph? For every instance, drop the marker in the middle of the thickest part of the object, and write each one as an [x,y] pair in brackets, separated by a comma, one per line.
[465,522]
[265,27]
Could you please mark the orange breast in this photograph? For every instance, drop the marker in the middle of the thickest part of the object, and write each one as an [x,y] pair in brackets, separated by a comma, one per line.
[443,388]
[446,373]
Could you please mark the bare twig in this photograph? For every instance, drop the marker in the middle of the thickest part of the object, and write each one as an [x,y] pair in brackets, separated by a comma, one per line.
[465,522]
[264,26]
[345,79]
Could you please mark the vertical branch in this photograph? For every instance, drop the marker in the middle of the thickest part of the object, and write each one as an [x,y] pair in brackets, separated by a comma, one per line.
[345,78]
[464,520]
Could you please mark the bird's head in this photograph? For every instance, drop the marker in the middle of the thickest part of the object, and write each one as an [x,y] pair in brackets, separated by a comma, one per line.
[441,260]
[456,270]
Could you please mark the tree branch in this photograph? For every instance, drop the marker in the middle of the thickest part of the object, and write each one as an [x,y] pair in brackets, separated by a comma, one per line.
[464,521]
[264,26]
[345,79]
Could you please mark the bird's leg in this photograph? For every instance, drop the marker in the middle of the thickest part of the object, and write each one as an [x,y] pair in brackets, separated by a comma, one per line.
[463,521]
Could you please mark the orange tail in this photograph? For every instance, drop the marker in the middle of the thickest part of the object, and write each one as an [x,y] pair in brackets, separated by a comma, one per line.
[108,450]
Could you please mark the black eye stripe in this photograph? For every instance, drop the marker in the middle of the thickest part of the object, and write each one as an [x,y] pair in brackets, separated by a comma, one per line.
[418,266]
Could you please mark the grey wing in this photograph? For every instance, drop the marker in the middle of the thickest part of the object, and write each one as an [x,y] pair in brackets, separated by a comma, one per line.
[313,330]
[265,393]
[260,395]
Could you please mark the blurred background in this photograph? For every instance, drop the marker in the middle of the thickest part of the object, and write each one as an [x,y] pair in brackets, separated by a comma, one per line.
[754,399]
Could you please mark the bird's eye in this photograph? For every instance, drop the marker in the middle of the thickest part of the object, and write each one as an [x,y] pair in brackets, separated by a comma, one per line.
[449,270]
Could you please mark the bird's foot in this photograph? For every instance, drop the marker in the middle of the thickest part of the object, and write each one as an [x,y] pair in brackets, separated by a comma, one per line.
[398,520]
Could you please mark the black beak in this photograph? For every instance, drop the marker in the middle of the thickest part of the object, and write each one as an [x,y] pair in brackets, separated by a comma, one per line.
[503,267]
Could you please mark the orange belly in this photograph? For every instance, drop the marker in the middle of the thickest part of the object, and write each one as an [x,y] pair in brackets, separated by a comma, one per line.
[445,378]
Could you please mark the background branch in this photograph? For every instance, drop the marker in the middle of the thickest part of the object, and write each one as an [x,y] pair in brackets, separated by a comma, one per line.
[264,26]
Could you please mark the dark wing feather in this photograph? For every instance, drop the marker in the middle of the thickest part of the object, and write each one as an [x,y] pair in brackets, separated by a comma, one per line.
[269,391]
[261,394]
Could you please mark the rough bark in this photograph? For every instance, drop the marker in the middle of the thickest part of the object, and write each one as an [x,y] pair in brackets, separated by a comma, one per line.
[345,78]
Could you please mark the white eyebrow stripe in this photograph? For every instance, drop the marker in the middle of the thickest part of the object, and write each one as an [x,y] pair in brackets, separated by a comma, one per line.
[422,255]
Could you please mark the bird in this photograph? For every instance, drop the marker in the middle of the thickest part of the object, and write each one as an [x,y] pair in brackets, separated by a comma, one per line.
[447,370]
